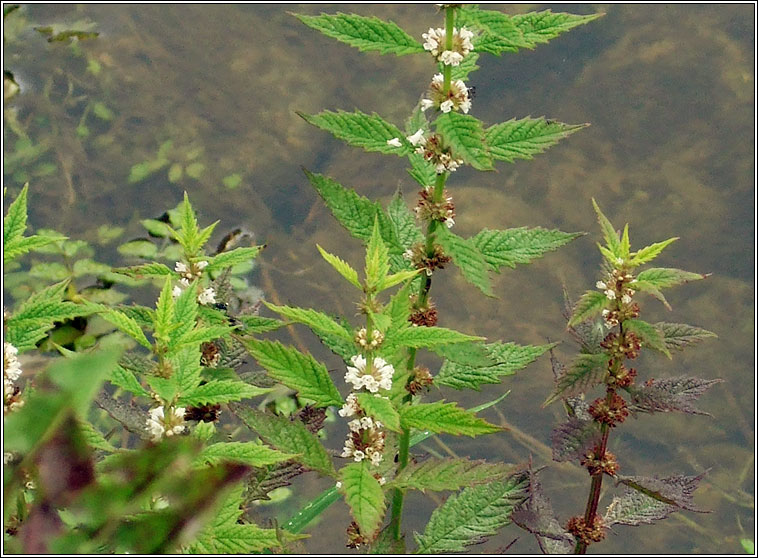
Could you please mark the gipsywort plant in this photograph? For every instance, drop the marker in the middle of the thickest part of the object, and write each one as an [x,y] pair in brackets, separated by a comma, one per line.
[606,324]
[439,137]
[159,454]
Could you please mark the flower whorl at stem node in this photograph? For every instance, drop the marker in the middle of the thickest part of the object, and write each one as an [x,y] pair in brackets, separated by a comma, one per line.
[421,260]
[456,98]
[596,462]
[434,42]
[427,209]
[586,534]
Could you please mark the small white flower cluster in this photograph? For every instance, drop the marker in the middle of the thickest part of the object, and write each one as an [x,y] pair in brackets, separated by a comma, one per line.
[371,344]
[457,98]
[11,372]
[161,425]
[190,273]
[434,42]
[373,377]
[366,437]
[365,440]
[432,152]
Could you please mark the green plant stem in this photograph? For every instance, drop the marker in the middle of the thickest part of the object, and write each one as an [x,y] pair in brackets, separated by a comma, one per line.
[447,71]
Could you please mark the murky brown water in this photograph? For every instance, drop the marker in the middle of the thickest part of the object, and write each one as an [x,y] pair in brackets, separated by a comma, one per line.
[668,91]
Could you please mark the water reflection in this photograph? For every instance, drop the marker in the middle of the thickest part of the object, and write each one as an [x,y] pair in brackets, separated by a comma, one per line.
[668,91]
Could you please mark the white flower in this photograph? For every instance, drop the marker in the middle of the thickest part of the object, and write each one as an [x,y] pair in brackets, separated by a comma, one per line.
[426,103]
[449,223]
[11,364]
[208,296]
[394,142]
[358,456]
[181,267]
[446,106]
[611,294]
[338,484]
[619,261]
[184,282]
[176,291]
[159,425]
[350,407]
[201,265]
[601,285]
[626,299]
[417,138]
[408,254]
[376,458]
[382,481]
[7,457]
[379,376]
[451,58]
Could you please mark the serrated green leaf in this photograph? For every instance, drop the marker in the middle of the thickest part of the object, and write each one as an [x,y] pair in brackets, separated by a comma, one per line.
[187,368]
[14,223]
[465,135]
[152,269]
[200,335]
[469,354]
[259,324]
[143,315]
[295,370]
[369,131]
[364,33]
[224,535]
[588,306]
[439,417]
[521,245]
[477,512]
[233,257]
[525,138]
[355,213]
[610,235]
[448,474]
[462,70]
[586,371]
[126,379]
[127,325]
[380,409]
[625,244]
[540,27]
[507,359]
[21,245]
[364,495]
[400,277]
[342,267]
[679,336]
[220,391]
[418,337]
[501,33]
[467,257]
[164,314]
[664,277]
[94,437]
[422,171]
[317,321]
[404,223]
[398,309]
[649,335]
[249,453]
[289,437]
[649,253]
[377,260]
